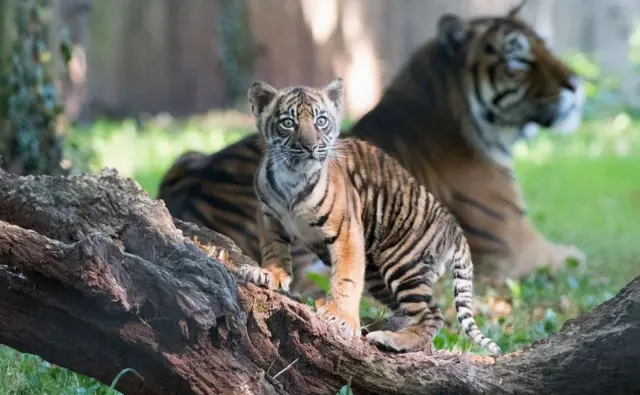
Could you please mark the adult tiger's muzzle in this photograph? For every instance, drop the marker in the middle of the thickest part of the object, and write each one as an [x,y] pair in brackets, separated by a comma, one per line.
[566,117]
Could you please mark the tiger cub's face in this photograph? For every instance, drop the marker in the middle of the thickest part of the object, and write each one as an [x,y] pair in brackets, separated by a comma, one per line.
[300,124]
[513,78]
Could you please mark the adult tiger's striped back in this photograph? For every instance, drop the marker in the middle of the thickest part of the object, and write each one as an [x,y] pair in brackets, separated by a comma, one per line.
[362,213]
[450,116]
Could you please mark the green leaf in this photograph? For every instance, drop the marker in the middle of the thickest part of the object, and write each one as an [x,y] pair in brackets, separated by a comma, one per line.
[571,263]
[345,390]
[514,287]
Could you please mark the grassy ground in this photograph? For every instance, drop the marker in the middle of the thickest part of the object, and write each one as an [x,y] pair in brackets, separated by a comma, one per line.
[582,189]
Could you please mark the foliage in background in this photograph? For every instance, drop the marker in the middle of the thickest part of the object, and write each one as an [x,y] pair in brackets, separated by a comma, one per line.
[30,144]
[237,49]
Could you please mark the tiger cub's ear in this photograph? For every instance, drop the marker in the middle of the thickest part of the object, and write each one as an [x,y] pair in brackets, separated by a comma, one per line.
[453,33]
[514,13]
[260,94]
[335,92]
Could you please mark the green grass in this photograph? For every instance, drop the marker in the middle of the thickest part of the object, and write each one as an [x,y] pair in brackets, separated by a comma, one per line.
[23,374]
[582,189]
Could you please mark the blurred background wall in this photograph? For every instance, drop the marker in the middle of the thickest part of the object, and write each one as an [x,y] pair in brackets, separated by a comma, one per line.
[191,56]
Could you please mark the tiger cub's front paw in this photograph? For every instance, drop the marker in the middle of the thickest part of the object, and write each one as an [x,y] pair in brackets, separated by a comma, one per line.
[273,277]
[348,324]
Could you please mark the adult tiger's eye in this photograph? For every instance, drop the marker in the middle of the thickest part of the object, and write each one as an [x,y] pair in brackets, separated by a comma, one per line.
[322,121]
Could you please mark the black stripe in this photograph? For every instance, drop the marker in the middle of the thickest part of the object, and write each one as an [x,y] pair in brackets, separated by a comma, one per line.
[222,205]
[409,220]
[170,182]
[411,283]
[324,196]
[323,219]
[519,210]
[465,316]
[492,71]
[322,252]
[420,298]
[268,255]
[382,159]
[400,270]
[371,229]
[502,95]
[483,234]
[475,69]
[396,207]
[284,237]
[308,188]
[377,288]
[193,210]
[272,180]
[457,274]
[460,289]
[332,239]
[472,202]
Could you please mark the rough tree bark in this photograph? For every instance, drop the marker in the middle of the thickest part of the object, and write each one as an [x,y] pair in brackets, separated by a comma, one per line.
[97,277]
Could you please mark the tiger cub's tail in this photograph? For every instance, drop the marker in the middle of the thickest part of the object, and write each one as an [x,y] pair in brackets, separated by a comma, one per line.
[462,273]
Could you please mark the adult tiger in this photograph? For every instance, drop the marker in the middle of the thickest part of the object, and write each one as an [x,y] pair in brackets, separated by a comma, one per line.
[451,117]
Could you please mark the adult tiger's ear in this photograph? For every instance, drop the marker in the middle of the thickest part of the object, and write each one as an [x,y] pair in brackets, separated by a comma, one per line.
[514,13]
[260,95]
[453,33]
[335,92]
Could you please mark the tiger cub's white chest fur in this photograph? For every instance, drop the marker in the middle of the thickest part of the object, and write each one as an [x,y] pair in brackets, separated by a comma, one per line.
[295,214]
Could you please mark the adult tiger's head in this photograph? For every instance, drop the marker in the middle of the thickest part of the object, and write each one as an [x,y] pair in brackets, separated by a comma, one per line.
[300,124]
[514,83]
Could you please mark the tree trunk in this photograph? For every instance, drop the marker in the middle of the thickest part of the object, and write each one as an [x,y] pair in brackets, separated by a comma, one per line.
[96,277]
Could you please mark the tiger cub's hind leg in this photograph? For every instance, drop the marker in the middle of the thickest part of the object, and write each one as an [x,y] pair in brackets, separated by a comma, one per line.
[408,333]
[416,318]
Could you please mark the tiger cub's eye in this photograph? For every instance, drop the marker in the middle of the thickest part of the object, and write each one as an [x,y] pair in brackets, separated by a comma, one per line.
[287,123]
[322,121]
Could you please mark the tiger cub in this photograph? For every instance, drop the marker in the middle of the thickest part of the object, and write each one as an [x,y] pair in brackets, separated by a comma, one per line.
[361,213]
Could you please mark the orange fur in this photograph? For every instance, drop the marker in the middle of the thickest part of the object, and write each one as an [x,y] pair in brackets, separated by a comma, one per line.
[426,120]
[361,213]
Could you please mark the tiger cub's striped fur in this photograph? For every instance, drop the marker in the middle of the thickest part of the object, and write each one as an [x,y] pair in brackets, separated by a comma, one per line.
[451,116]
[361,213]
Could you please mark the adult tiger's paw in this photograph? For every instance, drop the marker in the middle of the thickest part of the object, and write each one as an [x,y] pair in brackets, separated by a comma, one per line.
[348,324]
[273,277]
[561,254]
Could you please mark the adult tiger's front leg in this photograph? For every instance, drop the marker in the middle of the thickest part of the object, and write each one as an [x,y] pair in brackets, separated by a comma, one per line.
[527,250]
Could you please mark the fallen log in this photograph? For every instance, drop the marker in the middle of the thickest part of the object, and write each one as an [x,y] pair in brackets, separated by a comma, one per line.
[97,277]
